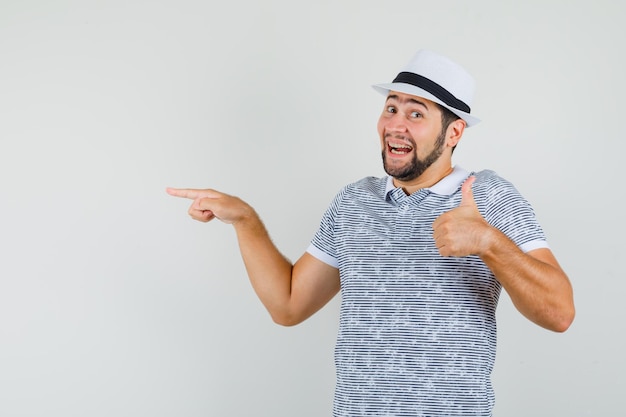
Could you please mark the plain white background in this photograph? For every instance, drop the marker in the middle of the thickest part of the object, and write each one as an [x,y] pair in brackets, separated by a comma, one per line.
[113,302]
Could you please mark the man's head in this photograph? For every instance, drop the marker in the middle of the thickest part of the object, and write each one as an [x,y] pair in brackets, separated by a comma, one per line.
[415,133]
[425,114]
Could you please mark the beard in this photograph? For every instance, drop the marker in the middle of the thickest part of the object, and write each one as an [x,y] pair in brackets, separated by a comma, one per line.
[416,166]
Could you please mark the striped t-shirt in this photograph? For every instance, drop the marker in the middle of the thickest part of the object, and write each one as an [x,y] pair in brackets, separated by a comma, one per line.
[417,331]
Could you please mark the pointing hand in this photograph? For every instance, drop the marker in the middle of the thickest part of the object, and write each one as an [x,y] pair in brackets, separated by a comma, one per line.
[209,204]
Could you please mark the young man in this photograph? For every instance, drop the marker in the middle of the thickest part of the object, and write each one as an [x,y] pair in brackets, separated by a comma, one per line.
[420,258]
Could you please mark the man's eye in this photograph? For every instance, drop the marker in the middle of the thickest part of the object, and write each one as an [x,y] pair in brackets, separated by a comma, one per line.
[416,114]
[391,109]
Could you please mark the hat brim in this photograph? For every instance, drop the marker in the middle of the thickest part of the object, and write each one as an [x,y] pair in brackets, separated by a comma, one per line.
[416,91]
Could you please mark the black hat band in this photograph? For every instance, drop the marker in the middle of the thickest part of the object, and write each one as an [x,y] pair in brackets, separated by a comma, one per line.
[433,88]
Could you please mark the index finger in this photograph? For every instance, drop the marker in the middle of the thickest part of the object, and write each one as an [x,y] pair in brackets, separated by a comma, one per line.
[183,192]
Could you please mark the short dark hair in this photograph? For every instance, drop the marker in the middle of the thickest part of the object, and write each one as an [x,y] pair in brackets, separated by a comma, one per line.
[447,117]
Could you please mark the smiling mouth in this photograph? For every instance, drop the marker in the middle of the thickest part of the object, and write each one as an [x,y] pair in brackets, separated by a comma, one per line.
[399,149]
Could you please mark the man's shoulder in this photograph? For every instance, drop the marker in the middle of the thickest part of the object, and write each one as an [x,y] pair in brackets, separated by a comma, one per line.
[493,188]
[365,188]
[490,178]
[486,174]
[368,184]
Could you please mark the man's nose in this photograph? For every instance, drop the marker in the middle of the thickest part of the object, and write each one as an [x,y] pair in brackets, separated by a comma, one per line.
[397,123]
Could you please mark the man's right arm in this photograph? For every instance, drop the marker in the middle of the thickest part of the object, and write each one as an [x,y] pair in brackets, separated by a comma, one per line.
[290,292]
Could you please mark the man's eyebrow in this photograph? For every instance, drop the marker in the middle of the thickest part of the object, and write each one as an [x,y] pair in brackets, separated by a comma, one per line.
[407,100]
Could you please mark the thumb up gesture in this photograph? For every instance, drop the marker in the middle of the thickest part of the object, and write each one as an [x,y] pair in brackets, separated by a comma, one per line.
[462,231]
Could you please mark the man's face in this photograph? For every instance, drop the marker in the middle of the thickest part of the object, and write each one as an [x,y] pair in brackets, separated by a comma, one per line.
[411,135]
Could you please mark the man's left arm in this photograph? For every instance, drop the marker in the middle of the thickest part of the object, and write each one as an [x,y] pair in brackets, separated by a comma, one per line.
[536,283]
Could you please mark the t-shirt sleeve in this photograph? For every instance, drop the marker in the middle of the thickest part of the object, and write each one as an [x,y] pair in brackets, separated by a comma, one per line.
[322,245]
[507,210]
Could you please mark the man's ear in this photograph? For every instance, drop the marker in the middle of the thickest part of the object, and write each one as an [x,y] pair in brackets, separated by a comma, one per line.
[455,132]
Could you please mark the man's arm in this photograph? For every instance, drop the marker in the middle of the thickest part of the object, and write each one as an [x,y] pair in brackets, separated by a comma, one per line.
[537,285]
[290,292]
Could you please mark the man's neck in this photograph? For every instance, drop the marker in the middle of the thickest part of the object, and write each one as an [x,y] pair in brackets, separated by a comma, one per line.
[429,178]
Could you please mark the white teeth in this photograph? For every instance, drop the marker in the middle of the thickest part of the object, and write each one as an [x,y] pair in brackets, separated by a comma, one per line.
[399,148]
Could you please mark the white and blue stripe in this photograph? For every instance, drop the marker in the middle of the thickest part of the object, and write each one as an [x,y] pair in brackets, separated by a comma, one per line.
[417,334]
